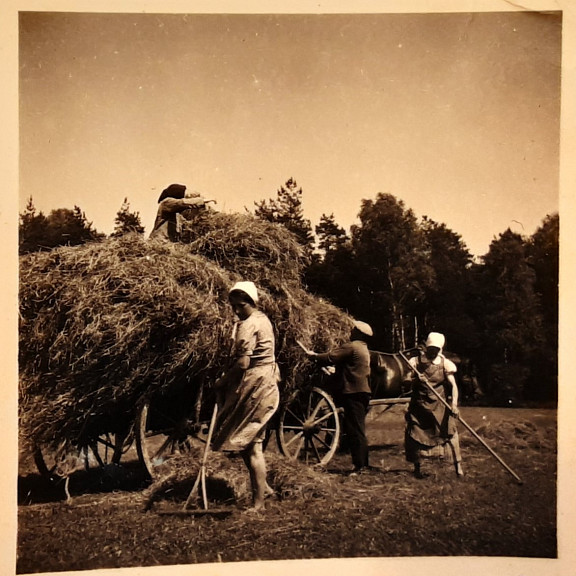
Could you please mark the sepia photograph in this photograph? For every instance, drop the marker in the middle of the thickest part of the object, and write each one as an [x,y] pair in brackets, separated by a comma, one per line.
[286,288]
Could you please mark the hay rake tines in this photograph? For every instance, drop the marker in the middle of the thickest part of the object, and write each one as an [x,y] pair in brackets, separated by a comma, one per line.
[199,487]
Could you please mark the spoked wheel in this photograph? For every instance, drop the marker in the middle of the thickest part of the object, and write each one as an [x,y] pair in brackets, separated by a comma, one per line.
[161,435]
[59,463]
[309,427]
[109,448]
[47,467]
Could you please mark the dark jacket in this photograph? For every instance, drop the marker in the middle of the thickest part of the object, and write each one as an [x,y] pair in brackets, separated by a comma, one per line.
[352,362]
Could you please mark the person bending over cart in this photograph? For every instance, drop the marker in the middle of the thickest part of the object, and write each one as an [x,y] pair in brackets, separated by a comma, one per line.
[429,423]
[248,391]
[171,203]
[352,384]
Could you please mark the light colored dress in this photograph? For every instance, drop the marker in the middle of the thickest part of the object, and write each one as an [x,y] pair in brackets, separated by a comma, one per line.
[250,403]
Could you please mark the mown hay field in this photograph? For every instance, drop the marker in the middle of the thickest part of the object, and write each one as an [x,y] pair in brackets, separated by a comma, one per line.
[114,520]
[104,325]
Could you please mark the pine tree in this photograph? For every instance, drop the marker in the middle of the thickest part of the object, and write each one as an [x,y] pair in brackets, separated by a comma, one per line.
[32,230]
[127,222]
[445,306]
[62,227]
[331,273]
[287,210]
[543,257]
[331,236]
[70,228]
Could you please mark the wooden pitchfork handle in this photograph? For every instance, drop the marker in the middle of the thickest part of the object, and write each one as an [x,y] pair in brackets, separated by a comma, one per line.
[306,350]
[201,478]
[459,417]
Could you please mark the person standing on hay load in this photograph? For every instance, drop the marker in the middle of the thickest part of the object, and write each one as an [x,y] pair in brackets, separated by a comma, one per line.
[248,391]
[171,203]
[352,385]
[429,423]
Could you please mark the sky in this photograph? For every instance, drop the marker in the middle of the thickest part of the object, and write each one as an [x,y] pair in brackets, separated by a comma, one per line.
[455,114]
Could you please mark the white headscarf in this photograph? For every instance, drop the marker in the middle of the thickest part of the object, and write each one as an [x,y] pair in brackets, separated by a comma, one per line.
[436,339]
[248,288]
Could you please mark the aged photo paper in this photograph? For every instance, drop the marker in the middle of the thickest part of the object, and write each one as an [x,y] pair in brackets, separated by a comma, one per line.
[14,173]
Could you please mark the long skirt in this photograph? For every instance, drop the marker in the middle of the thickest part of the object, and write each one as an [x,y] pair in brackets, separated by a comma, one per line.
[247,408]
[429,428]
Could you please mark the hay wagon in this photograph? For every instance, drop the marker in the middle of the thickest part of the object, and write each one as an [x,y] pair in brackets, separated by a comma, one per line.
[170,421]
[307,425]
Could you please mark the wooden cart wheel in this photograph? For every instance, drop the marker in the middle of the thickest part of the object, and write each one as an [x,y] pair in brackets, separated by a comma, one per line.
[309,427]
[47,467]
[160,435]
[58,463]
[109,448]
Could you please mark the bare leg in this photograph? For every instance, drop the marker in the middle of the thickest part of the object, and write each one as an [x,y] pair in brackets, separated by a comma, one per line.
[454,444]
[254,460]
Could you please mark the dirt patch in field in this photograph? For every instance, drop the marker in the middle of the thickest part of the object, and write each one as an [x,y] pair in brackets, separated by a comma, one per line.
[113,519]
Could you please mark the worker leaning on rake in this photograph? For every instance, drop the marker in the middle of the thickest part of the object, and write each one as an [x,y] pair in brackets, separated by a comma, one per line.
[429,422]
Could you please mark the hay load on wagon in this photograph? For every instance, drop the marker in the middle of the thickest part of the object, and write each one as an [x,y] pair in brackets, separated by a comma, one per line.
[103,325]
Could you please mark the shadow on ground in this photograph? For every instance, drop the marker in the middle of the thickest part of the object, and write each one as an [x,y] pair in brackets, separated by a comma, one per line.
[36,489]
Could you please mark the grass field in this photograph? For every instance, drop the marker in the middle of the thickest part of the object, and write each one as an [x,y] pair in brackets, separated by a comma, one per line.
[318,514]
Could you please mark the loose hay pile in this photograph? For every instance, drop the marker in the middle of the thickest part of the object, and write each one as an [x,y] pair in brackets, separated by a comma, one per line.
[105,324]
[228,483]
[520,434]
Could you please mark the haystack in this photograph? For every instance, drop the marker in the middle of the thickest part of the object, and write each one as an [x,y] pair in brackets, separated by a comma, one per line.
[103,325]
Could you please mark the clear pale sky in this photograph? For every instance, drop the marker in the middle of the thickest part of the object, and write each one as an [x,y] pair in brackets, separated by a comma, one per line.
[455,114]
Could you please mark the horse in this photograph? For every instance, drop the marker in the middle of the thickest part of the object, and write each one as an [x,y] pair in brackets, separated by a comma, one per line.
[390,376]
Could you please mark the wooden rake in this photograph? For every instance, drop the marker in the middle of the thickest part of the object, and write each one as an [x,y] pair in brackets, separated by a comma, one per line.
[200,483]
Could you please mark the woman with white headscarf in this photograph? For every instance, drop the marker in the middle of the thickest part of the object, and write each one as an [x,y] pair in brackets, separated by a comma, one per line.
[249,389]
[429,423]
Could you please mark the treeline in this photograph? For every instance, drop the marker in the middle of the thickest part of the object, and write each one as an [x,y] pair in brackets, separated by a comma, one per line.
[66,227]
[407,276]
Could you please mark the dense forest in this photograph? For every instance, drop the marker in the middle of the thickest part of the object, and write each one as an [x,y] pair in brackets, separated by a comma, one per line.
[406,276]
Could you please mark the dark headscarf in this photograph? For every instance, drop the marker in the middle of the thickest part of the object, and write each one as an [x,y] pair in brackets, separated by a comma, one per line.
[173,191]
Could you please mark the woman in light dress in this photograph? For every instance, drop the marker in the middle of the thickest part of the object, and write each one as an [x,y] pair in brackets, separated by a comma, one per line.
[248,391]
